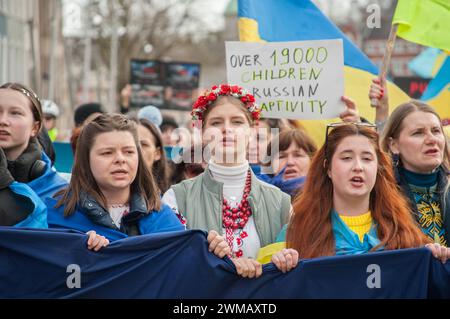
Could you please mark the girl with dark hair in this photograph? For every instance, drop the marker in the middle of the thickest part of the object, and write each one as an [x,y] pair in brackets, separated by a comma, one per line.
[359,210]
[23,162]
[112,194]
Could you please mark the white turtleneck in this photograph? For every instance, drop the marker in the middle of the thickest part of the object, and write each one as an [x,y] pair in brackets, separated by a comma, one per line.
[233,179]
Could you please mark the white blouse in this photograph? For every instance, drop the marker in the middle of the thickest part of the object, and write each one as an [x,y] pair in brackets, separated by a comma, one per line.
[117,212]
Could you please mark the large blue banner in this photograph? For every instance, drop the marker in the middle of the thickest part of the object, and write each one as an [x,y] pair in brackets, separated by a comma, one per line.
[57,264]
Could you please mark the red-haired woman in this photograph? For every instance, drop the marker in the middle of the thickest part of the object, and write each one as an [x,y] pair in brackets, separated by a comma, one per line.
[359,209]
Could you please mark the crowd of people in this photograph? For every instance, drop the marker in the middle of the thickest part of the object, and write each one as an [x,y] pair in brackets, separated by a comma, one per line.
[261,189]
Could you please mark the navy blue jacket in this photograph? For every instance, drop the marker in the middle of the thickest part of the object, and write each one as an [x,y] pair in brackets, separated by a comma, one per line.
[90,215]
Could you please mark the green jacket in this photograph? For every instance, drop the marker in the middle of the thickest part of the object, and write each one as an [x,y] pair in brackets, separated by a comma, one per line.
[200,200]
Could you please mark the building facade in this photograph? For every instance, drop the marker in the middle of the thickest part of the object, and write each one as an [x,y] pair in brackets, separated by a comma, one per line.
[16,56]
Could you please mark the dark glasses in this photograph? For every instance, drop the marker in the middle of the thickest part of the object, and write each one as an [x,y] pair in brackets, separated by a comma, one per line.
[332,126]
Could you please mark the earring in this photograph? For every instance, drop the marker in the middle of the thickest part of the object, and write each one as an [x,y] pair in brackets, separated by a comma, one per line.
[395,159]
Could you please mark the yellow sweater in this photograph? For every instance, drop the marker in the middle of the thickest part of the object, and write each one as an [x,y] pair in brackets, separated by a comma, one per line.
[359,224]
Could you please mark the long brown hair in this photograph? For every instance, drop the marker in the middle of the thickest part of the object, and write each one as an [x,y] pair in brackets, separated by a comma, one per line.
[310,230]
[160,167]
[82,178]
[36,107]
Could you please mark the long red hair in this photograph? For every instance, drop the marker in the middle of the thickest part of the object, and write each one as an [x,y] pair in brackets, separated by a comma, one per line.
[310,231]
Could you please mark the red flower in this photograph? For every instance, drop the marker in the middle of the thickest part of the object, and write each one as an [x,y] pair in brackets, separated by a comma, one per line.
[244,235]
[239,253]
[202,101]
[212,97]
[239,241]
[250,98]
[235,89]
[224,89]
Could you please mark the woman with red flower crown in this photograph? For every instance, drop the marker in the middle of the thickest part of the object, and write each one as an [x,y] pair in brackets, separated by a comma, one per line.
[228,197]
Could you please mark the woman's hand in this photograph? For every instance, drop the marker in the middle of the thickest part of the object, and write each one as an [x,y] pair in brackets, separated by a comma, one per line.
[378,91]
[351,114]
[218,245]
[286,259]
[247,267]
[96,241]
[439,252]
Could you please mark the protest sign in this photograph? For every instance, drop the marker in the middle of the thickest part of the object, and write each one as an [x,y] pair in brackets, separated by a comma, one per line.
[295,80]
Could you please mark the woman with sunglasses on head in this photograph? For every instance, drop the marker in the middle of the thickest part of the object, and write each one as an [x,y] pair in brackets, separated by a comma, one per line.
[359,209]
[23,163]
[414,137]
[228,197]
[112,194]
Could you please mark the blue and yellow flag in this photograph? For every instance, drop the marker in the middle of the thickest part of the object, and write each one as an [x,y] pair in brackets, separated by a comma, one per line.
[427,63]
[297,20]
[437,93]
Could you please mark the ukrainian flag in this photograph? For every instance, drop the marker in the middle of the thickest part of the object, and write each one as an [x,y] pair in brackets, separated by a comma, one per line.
[428,62]
[437,93]
[296,20]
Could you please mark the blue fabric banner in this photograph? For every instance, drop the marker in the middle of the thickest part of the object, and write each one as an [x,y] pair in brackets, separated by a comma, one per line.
[57,264]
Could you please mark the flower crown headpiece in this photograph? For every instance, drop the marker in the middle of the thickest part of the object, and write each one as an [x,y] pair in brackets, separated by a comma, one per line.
[204,101]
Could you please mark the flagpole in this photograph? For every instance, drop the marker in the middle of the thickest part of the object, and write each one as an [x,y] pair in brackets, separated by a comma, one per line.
[386,58]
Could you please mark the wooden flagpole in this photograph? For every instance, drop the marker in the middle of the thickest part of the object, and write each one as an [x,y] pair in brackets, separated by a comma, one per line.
[386,58]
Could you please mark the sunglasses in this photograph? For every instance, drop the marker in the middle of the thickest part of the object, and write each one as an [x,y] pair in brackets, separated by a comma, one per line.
[332,126]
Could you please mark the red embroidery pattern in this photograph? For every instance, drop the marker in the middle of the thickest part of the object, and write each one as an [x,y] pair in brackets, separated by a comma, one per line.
[236,218]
